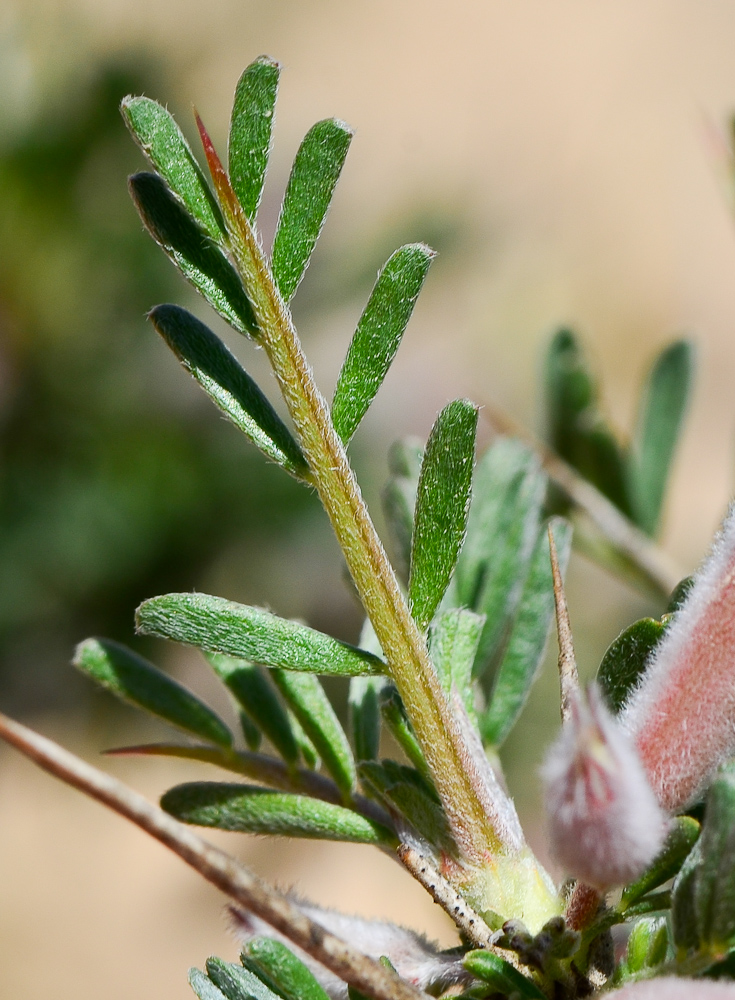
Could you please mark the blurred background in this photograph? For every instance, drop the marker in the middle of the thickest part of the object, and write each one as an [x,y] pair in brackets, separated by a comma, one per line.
[567,162]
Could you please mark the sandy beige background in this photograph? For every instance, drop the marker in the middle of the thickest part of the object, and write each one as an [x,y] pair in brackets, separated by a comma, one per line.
[576,140]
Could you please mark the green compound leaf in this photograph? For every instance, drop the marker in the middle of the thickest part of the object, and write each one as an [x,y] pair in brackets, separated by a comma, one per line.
[310,187]
[203,986]
[681,839]
[404,790]
[253,691]
[228,385]
[288,973]
[160,138]
[378,336]
[525,649]
[221,626]
[576,428]
[237,983]
[191,249]
[715,884]
[454,638]
[137,681]
[663,405]
[442,505]
[626,658]
[251,127]
[251,809]
[508,494]
[501,975]
[399,498]
[312,708]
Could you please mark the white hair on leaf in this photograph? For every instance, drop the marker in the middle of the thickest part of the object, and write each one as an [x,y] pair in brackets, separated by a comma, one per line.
[681,715]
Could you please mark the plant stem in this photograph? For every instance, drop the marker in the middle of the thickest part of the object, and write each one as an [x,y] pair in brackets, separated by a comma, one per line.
[236,881]
[403,644]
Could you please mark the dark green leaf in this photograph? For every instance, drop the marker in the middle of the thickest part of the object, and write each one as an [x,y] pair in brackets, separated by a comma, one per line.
[191,249]
[228,385]
[364,709]
[398,723]
[135,680]
[530,631]
[404,790]
[453,641]
[683,899]
[715,885]
[251,127]
[203,986]
[378,336]
[254,692]
[312,708]
[160,138]
[576,428]
[292,978]
[251,809]
[679,842]
[508,494]
[399,498]
[626,658]
[663,404]
[442,505]
[238,983]
[679,594]
[501,975]
[222,626]
[313,177]
[250,731]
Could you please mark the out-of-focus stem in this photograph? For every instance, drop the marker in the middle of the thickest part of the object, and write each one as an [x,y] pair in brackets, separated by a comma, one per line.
[216,866]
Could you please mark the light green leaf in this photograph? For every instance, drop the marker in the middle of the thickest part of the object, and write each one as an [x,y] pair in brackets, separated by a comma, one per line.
[160,138]
[191,249]
[137,681]
[508,494]
[662,408]
[221,626]
[501,975]
[289,974]
[238,983]
[203,986]
[228,385]
[251,127]
[378,336]
[310,187]
[681,839]
[453,640]
[312,708]
[647,944]
[253,690]
[442,505]
[524,651]
[251,809]
[399,498]
[626,658]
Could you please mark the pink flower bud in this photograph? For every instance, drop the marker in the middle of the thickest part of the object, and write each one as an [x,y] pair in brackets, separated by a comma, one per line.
[682,714]
[604,822]
[673,988]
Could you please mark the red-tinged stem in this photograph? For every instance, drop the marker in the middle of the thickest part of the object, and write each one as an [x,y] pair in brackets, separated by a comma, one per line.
[403,644]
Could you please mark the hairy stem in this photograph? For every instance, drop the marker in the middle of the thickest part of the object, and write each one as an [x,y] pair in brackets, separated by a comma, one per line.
[236,881]
[403,644]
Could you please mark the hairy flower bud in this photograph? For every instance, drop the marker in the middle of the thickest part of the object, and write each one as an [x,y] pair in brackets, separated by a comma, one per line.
[604,822]
[682,714]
